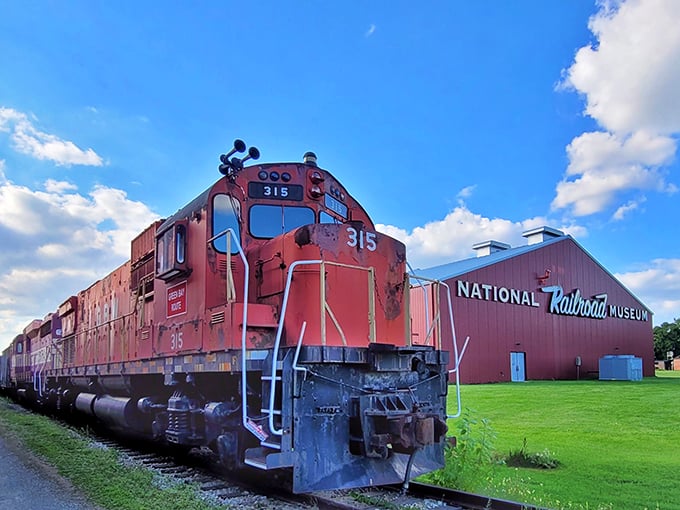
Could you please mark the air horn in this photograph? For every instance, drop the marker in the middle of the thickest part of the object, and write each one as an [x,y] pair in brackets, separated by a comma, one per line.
[230,166]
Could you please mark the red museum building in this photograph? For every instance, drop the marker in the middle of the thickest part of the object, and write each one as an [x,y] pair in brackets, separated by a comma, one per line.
[546,310]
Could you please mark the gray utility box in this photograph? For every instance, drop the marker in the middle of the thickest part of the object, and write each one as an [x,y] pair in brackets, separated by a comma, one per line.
[620,368]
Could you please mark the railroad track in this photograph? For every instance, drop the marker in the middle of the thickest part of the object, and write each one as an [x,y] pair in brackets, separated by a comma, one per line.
[198,468]
[221,487]
[418,496]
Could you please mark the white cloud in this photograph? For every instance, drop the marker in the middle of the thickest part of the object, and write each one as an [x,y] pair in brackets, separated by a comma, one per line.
[370,31]
[451,238]
[605,165]
[52,186]
[629,80]
[630,76]
[658,286]
[466,192]
[61,242]
[27,139]
[622,211]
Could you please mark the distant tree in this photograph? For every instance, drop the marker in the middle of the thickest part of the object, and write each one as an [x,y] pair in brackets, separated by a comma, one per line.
[667,338]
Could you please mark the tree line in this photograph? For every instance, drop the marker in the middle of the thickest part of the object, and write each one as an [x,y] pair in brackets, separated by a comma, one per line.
[667,339]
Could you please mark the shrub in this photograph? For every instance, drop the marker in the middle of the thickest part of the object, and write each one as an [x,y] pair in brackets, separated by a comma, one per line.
[540,460]
[472,459]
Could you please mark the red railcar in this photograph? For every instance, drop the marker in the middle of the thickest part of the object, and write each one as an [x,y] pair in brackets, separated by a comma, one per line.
[266,319]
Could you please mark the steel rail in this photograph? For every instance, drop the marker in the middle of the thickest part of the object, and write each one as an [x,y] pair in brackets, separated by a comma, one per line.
[467,500]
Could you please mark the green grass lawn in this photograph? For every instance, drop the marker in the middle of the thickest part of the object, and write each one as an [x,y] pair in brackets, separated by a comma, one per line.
[618,443]
[97,472]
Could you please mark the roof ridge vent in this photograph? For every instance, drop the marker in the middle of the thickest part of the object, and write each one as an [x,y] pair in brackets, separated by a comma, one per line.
[488,247]
[541,234]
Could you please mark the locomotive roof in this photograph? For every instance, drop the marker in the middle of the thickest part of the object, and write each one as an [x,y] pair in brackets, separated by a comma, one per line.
[196,204]
[201,200]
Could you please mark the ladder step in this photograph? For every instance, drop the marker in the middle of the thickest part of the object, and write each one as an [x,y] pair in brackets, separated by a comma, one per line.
[275,411]
[268,458]
[257,462]
[269,378]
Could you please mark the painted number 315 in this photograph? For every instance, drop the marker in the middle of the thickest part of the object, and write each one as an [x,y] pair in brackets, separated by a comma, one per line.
[176,341]
[361,239]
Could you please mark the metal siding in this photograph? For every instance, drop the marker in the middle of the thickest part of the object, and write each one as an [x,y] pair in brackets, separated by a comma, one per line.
[551,341]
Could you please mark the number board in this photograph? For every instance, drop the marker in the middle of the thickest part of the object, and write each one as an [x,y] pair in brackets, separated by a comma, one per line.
[335,205]
[275,191]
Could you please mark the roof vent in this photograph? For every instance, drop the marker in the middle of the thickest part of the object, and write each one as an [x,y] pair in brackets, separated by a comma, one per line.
[488,247]
[541,234]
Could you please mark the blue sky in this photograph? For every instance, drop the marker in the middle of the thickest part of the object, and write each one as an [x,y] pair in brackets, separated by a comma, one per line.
[452,122]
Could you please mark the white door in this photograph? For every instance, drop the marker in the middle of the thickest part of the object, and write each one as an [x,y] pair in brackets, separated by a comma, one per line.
[517,367]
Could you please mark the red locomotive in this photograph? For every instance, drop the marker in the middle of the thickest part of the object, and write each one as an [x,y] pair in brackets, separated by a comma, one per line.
[266,319]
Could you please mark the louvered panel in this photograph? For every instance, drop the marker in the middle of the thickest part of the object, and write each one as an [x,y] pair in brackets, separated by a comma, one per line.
[222,265]
[217,318]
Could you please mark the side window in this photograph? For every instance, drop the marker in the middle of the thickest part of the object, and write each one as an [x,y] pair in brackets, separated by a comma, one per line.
[226,211]
[164,250]
[268,221]
[20,347]
[180,243]
[171,246]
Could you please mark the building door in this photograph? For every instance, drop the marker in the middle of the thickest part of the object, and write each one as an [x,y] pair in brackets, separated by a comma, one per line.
[517,367]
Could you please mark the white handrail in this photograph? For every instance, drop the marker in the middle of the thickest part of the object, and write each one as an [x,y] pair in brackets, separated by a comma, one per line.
[244,368]
[40,379]
[457,358]
[277,342]
[297,351]
[279,332]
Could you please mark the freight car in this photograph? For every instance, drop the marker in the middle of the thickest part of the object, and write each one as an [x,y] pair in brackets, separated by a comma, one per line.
[268,320]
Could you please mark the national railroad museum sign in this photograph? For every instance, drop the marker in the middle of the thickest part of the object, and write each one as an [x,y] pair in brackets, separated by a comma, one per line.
[572,304]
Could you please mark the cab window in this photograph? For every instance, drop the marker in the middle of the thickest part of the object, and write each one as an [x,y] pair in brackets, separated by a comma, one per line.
[267,221]
[324,217]
[226,211]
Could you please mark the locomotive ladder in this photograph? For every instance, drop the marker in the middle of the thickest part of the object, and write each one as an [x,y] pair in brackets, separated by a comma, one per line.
[275,450]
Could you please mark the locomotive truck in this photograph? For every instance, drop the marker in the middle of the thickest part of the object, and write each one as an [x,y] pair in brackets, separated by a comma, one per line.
[268,320]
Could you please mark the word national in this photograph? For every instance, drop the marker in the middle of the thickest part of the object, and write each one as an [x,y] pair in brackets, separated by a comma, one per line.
[486,292]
